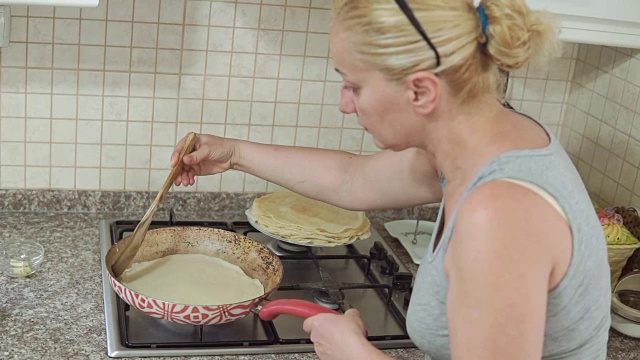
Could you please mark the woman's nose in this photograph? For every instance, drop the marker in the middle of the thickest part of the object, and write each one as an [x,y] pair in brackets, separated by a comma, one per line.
[346,101]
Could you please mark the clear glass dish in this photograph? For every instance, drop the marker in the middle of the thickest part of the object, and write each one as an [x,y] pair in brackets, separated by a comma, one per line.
[20,258]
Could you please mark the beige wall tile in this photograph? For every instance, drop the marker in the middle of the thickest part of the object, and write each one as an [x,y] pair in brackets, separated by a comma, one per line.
[37,177]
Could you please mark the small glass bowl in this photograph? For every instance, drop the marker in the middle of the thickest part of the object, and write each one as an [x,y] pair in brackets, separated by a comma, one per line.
[20,258]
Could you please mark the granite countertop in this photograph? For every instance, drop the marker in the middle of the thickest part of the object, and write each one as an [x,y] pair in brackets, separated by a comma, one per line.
[58,312]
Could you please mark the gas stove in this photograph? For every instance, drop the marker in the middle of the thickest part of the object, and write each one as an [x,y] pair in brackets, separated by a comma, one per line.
[364,275]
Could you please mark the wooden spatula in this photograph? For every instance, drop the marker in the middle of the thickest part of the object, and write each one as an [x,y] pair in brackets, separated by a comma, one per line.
[125,256]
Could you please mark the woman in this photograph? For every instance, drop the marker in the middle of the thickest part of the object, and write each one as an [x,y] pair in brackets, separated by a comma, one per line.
[518,267]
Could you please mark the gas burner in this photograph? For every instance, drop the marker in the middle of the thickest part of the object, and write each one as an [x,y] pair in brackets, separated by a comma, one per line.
[322,297]
[284,250]
[291,247]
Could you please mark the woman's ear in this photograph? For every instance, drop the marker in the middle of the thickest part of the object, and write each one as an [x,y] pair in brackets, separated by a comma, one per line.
[426,88]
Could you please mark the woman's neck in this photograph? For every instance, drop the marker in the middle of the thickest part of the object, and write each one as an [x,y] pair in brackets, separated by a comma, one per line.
[464,138]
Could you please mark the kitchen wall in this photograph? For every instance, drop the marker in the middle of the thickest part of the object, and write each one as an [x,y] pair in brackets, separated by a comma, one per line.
[602,125]
[541,88]
[600,121]
[96,98]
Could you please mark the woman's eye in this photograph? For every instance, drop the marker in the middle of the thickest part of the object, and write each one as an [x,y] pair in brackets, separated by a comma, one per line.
[353,89]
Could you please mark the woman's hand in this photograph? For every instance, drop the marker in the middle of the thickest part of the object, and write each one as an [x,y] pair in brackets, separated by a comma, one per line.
[211,155]
[338,337]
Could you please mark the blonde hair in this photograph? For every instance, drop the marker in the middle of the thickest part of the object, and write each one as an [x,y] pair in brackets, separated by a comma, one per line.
[382,37]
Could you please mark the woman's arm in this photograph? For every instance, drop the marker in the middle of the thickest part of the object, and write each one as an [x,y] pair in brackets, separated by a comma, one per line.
[505,245]
[357,182]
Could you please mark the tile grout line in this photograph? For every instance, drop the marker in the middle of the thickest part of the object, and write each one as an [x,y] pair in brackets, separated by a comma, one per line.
[26,109]
[226,117]
[126,139]
[277,80]
[204,76]
[102,97]
[306,46]
[51,117]
[153,98]
[77,109]
[304,52]
[253,87]
[180,75]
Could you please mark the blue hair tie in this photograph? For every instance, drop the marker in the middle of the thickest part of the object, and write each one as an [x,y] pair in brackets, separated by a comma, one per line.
[485,23]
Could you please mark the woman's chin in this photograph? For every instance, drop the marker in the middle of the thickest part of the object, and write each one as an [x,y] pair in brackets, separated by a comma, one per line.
[392,147]
[379,144]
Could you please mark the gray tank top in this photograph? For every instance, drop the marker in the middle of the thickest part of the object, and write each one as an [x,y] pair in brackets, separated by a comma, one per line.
[578,309]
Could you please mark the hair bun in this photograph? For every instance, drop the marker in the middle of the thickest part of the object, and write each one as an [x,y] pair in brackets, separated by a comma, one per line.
[517,34]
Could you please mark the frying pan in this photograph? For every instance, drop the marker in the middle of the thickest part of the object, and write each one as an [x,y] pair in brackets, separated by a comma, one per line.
[255,259]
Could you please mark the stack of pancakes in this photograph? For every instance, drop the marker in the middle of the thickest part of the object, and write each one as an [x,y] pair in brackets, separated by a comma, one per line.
[308,222]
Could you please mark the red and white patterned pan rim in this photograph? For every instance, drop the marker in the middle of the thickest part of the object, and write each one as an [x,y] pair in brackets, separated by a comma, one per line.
[255,259]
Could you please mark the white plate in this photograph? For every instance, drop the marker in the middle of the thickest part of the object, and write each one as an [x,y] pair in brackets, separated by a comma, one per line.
[625,326]
[403,231]
[255,225]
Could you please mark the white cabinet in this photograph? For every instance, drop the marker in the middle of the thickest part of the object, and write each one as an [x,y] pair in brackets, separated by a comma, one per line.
[601,22]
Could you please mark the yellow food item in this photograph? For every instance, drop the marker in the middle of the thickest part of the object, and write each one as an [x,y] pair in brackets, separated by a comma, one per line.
[19,267]
[618,235]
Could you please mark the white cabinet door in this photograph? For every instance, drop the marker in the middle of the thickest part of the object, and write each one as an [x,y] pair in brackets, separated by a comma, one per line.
[617,10]
[602,22]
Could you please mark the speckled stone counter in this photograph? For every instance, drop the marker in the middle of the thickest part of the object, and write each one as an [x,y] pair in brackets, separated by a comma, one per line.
[58,312]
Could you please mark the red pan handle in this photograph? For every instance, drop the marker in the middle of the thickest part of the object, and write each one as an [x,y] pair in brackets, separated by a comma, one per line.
[301,308]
